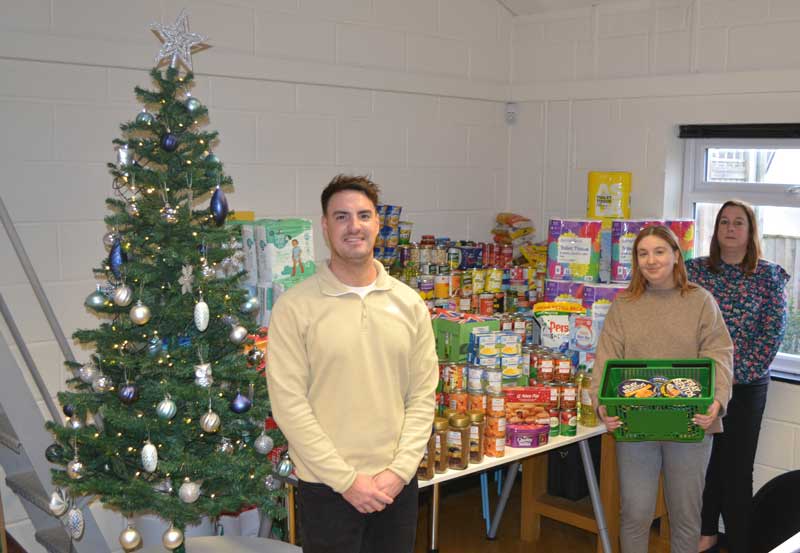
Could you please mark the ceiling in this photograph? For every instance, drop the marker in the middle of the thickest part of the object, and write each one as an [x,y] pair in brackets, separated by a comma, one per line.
[529,7]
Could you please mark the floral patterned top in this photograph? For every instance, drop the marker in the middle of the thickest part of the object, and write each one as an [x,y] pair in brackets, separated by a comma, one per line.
[754,308]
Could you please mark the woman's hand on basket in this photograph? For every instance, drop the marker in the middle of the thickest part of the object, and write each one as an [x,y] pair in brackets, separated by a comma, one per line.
[612,423]
[704,421]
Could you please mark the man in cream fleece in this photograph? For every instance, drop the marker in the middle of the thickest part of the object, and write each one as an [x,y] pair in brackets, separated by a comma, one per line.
[352,372]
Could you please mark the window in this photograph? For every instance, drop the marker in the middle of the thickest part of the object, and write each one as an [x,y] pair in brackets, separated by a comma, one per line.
[766,174]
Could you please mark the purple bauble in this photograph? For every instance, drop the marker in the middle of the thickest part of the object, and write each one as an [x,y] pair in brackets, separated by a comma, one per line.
[128,393]
[169,142]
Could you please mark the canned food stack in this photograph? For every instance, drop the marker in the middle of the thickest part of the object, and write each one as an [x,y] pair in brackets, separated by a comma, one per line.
[388,237]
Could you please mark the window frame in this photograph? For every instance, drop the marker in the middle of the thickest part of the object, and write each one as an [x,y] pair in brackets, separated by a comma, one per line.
[696,189]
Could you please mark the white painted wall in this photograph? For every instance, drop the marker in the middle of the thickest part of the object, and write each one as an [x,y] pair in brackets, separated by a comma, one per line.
[412,92]
[605,89]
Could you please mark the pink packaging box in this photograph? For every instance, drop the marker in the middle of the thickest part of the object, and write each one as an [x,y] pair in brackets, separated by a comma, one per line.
[527,435]
[563,290]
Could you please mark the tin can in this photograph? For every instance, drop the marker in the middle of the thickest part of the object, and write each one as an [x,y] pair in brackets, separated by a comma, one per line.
[465,305]
[555,421]
[455,282]
[486,305]
[453,257]
[506,255]
[545,368]
[455,376]
[478,281]
[404,254]
[555,395]
[499,304]
[493,377]
[569,422]
[494,280]
[441,286]
[425,283]
[466,284]
[563,368]
[569,396]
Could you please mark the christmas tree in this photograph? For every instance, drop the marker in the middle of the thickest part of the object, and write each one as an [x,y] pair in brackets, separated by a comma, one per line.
[168,416]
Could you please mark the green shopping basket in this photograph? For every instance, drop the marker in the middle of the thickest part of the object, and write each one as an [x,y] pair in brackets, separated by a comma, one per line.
[657,418]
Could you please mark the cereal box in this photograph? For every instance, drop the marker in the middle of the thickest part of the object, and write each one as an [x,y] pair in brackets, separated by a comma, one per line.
[573,250]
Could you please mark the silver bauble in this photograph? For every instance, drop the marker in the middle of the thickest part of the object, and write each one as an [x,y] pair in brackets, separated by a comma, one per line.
[251,305]
[102,383]
[87,373]
[74,523]
[58,502]
[74,422]
[201,315]
[255,357]
[130,538]
[238,334]
[225,446]
[140,313]
[207,271]
[133,209]
[192,104]
[172,538]
[169,214]
[166,408]
[165,486]
[263,444]
[210,421]
[75,469]
[124,155]
[189,492]
[149,457]
[272,483]
[123,295]
[109,238]
[95,300]
[203,375]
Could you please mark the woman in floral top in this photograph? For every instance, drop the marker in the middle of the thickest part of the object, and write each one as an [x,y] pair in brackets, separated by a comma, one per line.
[750,294]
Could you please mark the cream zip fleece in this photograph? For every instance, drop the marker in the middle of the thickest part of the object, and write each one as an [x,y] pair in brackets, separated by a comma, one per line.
[662,324]
[352,380]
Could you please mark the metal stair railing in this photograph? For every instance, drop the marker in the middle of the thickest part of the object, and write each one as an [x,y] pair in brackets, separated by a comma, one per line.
[23,438]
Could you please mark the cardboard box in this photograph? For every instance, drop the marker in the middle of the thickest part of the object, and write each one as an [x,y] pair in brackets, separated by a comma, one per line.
[452,331]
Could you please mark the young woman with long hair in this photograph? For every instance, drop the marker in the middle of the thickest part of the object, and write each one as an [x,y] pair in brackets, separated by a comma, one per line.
[664,316]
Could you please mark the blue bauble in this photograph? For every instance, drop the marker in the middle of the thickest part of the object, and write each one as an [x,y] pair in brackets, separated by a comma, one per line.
[285,466]
[68,409]
[128,393]
[169,142]
[240,404]
[219,206]
[145,118]
[116,258]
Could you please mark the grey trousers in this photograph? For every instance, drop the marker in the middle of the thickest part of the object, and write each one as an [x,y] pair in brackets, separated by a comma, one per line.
[684,468]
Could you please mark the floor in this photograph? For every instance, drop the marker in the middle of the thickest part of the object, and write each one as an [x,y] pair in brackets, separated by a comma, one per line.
[462,529]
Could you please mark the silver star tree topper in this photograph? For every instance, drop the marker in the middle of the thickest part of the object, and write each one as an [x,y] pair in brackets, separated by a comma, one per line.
[178,41]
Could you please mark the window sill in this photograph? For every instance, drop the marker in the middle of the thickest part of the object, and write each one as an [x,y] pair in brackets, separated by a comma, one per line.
[782,376]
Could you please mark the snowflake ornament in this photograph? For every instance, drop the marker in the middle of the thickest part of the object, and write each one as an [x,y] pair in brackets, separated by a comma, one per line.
[186,279]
